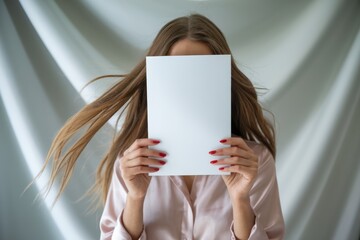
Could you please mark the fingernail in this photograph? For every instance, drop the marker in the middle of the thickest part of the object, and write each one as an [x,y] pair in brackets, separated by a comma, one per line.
[214,161]
[156,169]
[212,152]
[156,141]
[162,154]
[162,162]
[222,168]
[223,140]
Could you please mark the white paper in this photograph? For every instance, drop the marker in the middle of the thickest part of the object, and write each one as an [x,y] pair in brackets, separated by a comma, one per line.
[189,110]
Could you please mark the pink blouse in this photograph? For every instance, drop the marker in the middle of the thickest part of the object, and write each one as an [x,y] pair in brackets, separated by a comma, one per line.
[171,212]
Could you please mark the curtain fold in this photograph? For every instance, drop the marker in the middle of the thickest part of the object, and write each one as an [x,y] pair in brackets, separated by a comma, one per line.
[305,53]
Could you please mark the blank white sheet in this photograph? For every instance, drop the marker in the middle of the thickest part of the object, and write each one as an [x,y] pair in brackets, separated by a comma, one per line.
[189,110]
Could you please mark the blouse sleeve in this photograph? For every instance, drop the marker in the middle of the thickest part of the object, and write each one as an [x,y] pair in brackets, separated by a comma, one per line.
[111,226]
[265,201]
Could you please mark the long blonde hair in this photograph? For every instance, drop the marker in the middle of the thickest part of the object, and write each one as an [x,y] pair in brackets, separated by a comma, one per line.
[129,93]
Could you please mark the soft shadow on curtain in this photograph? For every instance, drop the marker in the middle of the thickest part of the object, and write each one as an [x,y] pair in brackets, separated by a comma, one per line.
[306,53]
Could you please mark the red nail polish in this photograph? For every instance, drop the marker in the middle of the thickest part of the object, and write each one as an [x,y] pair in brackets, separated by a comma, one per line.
[162,154]
[156,141]
[214,161]
[223,140]
[222,168]
[212,152]
[156,169]
[162,162]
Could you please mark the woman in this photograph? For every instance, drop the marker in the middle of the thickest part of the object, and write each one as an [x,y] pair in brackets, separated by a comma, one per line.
[242,205]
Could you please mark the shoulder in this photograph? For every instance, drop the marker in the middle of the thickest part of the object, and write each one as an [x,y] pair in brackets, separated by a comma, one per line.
[117,179]
[266,177]
[264,155]
[266,166]
[116,167]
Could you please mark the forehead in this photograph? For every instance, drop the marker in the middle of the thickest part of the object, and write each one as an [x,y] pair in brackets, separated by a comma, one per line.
[189,47]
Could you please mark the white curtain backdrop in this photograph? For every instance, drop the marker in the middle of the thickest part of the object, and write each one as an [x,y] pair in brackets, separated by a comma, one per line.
[306,53]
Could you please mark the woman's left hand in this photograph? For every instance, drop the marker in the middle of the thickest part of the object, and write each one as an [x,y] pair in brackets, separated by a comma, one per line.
[242,164]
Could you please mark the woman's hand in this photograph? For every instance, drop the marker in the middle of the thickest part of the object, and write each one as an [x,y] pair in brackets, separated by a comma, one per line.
[243,166]
[135,167]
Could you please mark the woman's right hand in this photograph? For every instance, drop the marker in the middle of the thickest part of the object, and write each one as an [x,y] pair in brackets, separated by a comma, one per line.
[135,167]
